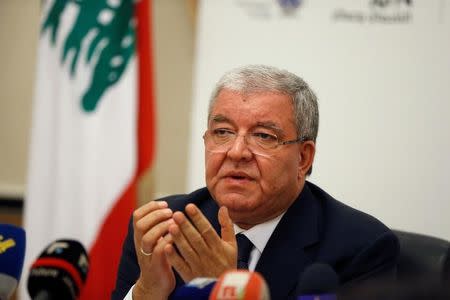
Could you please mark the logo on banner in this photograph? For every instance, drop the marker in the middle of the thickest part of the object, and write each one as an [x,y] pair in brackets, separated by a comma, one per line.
[289,6]
[377,12]
[269,9]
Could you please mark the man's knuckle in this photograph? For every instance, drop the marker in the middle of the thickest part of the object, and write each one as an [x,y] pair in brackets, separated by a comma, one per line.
[140,226]
[136,215]
[147,240]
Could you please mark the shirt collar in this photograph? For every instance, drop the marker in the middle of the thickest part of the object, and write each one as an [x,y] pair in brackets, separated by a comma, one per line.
[260,234]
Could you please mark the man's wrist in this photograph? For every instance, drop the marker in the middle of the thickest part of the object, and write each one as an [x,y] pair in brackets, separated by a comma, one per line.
[140,292]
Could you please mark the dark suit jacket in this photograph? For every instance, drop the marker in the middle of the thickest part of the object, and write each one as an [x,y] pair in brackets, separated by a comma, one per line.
[316,228]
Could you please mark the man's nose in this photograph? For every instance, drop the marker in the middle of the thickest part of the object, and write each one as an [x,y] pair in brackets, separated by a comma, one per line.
[239,149]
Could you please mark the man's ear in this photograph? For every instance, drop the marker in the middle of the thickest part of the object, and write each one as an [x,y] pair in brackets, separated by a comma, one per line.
[306,150]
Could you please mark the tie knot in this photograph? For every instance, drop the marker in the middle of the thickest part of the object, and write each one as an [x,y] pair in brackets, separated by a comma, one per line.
[244,248]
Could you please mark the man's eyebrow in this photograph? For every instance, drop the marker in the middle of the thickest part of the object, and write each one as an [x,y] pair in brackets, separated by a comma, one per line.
[265,124]
[270,125]
[219,119]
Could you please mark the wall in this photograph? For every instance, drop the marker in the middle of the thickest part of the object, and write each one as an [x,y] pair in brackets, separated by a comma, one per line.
[18,36]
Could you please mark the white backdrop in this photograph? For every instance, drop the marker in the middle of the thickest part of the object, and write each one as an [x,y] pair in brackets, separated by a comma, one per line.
[381,70]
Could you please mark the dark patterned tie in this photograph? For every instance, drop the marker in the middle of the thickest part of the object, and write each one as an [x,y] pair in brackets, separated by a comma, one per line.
[244,248]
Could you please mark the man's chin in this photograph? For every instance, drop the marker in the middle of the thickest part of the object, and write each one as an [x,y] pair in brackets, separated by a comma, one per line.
[236,202]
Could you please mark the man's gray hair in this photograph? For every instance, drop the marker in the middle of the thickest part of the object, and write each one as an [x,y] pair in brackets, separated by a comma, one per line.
[261,78]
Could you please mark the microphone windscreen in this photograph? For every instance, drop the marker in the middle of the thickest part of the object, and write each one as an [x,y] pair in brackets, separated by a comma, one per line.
[242,285]
[196,289]
[12,253]
[398,289]
[318,279]
[60,270]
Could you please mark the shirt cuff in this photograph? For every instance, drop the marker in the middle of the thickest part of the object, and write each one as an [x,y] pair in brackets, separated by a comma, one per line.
[129,295]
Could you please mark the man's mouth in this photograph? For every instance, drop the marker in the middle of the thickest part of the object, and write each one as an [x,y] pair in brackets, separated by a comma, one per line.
[238,176]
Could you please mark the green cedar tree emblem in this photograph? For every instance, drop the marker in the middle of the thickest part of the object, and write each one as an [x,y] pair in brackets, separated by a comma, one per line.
[114,42]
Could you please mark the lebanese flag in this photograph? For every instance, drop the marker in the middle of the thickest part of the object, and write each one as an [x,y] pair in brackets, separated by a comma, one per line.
[92,131]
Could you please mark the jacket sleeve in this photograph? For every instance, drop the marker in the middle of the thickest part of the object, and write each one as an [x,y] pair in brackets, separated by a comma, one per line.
[128,271]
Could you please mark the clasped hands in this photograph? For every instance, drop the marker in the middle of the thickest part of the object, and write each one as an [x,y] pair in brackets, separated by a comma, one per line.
[200,251]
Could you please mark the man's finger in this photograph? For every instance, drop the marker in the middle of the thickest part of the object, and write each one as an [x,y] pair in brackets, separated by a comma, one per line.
[152,237]
[142,220]
[148,208]
[153,218]
[158,250]
[192,235]
[203,226]
[178,262]
[183,246]
[226,226]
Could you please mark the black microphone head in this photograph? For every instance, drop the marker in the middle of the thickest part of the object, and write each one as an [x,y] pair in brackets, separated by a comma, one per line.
[316,279]
[60,270]
[397,289]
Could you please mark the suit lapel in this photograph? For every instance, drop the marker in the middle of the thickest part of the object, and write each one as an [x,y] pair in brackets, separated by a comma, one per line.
[289,250]
[210,210]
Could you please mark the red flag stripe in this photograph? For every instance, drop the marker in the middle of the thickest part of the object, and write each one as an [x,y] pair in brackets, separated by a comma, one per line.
[146,82]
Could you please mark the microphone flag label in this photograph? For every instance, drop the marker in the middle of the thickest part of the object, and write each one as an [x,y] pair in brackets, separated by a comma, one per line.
[6,244]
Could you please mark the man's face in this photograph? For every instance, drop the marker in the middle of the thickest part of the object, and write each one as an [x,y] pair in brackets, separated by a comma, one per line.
[254,187]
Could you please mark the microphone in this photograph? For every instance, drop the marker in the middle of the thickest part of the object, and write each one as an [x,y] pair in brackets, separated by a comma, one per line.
[12,254]
[59,272]
[421,288]
[318,282]
[196,289]
[242,285]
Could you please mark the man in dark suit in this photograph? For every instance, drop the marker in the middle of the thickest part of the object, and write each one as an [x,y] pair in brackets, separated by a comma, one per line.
[259,149]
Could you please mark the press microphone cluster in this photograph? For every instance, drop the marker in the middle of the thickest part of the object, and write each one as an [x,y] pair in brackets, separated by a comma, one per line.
[12,254]
[318,282]
[59,272]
